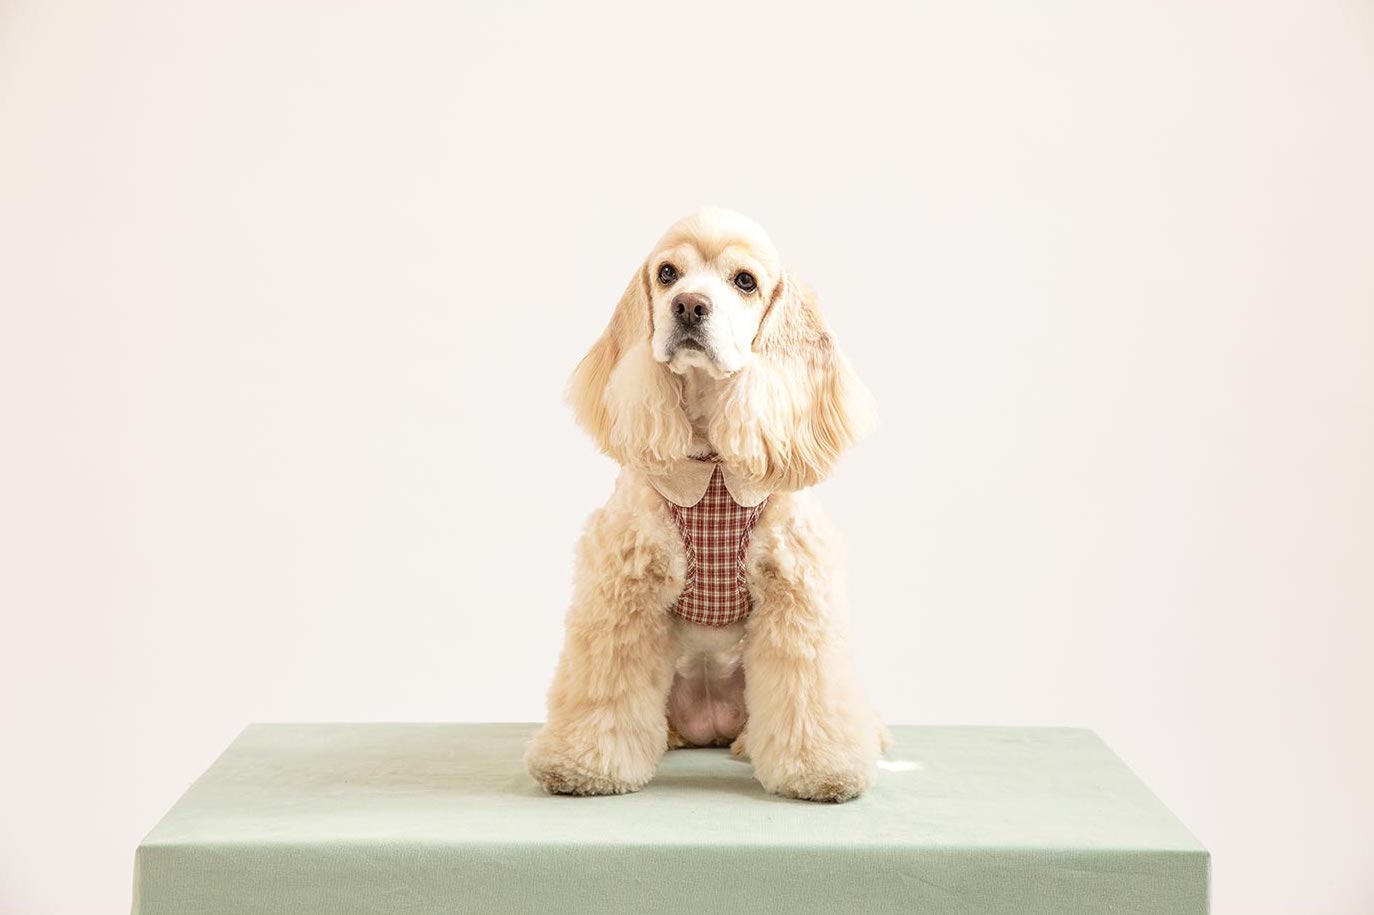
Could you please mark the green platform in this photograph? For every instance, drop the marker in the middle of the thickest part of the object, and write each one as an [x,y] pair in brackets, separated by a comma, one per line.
[422,819]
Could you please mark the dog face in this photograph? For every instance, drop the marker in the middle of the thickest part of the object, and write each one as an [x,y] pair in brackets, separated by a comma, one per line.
[713,295]
[710,280]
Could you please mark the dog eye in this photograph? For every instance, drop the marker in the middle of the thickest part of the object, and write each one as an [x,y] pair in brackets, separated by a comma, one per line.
[667,274]
[745,281]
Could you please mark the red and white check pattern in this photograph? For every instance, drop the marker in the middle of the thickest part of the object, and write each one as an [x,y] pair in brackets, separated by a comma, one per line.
[715,532]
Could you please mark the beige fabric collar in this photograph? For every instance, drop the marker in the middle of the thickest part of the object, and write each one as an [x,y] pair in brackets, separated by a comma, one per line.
[685,483]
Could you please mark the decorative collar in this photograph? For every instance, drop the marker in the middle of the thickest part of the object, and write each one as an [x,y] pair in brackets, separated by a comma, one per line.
[686,481]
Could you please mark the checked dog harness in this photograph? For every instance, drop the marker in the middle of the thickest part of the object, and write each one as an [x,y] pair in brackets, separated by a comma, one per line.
[715,511]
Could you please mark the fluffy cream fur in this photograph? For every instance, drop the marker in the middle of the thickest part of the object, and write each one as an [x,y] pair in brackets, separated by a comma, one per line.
[780,415]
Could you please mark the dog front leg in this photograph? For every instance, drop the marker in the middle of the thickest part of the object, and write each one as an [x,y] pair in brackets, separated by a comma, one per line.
[811,733]
[606,728]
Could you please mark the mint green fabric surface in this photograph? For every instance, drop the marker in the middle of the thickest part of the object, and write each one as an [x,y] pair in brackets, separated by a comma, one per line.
[338,819]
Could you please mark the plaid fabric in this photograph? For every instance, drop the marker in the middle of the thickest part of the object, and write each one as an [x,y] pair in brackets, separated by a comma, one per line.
[715,532]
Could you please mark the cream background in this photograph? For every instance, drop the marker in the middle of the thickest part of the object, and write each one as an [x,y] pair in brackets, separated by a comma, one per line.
[289,291]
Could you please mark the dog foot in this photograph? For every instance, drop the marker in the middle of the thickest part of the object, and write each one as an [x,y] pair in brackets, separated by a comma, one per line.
[675,740]
[561,769]
[557,780]
[738,748]
[825,787]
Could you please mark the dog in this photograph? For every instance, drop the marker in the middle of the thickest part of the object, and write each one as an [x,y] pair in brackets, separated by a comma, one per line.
[707,608]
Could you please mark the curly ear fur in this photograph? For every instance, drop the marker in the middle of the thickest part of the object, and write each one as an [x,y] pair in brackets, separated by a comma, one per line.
[623,398]
[785,419]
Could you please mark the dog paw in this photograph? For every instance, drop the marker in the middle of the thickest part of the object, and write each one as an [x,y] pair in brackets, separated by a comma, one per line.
[563,770]
[675,740]
[560,780]
[825,787]
[739,749]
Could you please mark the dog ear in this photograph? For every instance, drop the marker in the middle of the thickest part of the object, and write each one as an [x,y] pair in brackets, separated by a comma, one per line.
[787,416]
[622,397]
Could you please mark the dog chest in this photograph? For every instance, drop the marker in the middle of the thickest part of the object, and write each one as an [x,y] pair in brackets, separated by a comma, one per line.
[715,526]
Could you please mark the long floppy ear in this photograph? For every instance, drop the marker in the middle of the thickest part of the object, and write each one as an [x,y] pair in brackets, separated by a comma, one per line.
[786,417]
[629,403]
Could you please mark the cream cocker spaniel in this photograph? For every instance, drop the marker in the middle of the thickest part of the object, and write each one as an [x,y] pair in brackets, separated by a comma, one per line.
[707,608]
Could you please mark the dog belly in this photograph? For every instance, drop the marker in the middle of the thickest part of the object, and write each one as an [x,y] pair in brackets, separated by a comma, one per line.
[706,704]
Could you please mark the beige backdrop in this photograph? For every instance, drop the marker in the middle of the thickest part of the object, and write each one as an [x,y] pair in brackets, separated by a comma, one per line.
[288,293]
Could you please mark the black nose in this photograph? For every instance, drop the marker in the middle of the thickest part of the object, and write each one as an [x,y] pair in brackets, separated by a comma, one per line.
[691,308]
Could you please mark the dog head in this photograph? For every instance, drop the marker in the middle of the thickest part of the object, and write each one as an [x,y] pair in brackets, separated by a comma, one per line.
[710,280]
[713,297]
